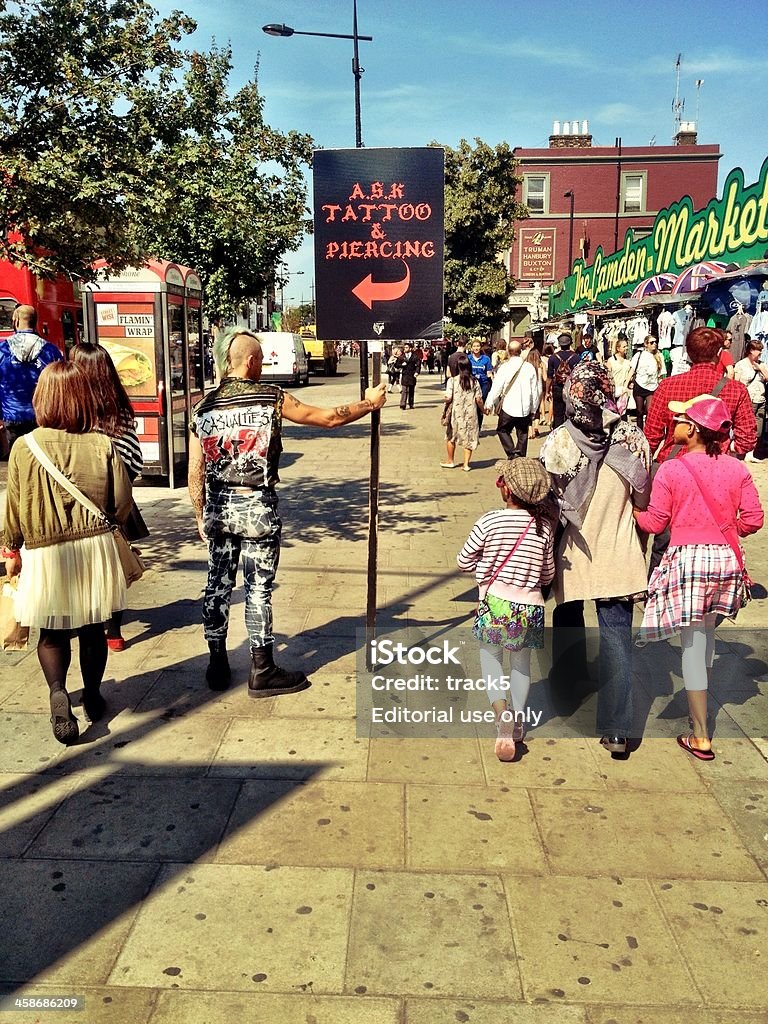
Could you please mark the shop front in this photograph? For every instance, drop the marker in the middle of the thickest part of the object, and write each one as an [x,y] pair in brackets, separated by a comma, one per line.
[730,230]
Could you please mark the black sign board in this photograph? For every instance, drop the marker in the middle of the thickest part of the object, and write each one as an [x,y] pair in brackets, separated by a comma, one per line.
[379,231]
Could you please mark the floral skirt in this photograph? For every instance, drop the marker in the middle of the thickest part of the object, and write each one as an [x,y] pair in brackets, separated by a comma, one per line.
[508,624]
[690,581]
[72,584]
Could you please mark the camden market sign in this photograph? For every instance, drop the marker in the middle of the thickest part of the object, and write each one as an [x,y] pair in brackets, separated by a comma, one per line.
[732,228]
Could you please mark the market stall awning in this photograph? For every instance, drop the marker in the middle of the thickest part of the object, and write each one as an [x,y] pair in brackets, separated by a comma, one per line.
[654,285]
[696,277]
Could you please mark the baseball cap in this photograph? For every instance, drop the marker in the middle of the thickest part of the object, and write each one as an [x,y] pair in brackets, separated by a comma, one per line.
[705,411]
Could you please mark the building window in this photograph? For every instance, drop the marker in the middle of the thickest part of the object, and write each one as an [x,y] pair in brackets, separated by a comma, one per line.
[633,192]
[639,233]
[535,192]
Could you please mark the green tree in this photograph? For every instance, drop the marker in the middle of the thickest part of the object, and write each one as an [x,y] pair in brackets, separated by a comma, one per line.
[86,90]
[480,215]
[235,190]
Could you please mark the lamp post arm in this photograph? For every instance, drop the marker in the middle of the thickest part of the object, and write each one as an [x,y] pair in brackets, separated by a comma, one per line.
[332,35]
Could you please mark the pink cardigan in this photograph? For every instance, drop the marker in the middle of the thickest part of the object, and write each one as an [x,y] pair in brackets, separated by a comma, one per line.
[677,502]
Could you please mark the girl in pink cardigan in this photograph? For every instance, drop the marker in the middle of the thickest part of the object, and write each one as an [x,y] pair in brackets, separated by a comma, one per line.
[708,500]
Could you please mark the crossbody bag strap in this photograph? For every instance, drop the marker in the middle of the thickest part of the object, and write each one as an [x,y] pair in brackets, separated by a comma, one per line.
[65,482]
[719,386]
[726,530]
[517,544]
[499,401]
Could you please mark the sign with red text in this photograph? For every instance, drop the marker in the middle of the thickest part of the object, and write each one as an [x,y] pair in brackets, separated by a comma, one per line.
[537,254]
[379,230]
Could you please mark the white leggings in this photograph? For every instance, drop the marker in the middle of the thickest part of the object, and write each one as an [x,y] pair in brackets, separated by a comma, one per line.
[519,679]
[698,643]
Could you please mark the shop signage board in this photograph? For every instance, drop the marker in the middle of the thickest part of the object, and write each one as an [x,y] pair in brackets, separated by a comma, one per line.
[731,228]
[379,234]
[537,254]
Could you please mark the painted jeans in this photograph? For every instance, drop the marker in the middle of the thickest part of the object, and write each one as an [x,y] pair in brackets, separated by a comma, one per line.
[241,524]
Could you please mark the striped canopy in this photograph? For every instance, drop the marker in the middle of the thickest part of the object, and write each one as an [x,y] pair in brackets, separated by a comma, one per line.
[654,285]
[695,278]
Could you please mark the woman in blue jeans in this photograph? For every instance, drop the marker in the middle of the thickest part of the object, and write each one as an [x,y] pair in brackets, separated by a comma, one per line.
[600,470]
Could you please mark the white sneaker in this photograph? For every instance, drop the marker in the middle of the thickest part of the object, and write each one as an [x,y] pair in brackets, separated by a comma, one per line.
[751,457]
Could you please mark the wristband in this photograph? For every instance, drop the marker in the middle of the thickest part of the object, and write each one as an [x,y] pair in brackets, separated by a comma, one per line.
[9,552]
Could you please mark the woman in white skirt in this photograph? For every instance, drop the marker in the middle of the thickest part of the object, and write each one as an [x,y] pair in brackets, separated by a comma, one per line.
[708,500]
[71,581]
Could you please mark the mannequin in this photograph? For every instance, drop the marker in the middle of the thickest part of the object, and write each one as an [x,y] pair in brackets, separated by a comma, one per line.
[738,325]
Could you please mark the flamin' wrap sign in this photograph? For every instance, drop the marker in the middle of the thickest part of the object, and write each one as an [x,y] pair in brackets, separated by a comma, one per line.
[734,227]
[379,230]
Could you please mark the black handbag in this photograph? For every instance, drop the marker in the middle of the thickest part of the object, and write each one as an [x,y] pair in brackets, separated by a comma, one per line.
[135,528]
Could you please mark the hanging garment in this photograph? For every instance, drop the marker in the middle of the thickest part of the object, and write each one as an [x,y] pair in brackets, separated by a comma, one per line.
[665,324]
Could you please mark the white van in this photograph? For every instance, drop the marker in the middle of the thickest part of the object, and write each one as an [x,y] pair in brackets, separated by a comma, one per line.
[285,361]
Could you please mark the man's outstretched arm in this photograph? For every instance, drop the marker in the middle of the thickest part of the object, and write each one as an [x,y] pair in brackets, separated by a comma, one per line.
[312,415]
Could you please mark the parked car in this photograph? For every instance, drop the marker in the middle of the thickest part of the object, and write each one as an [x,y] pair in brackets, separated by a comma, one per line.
[285,360]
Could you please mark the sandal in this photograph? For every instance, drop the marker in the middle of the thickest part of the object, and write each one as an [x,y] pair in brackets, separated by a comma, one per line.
[686,742]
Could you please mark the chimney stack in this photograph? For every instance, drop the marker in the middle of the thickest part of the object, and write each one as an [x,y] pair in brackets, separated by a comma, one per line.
[686,134]
[570,137]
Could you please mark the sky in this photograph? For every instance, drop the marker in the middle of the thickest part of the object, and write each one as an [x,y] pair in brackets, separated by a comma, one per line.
[498,70]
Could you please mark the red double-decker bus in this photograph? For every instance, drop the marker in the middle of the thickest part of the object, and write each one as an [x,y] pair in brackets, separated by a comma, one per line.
[58,303]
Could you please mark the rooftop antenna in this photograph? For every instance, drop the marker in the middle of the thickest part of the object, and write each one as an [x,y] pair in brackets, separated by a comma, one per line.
[653,141]
[678,105]
[699,83]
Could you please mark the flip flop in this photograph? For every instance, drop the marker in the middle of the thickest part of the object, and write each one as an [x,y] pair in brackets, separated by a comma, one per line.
[700,755]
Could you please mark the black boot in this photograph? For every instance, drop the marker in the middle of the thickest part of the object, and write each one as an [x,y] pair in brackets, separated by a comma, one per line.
[267,680]
[93,703]
[64,723]
[218,673]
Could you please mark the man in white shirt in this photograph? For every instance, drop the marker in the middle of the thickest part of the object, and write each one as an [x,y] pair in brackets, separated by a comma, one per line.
[519,386]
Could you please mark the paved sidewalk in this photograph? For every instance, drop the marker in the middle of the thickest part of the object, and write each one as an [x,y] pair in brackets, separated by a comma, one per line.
[203,858]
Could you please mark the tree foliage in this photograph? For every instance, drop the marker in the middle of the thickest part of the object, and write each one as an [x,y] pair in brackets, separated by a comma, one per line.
[480,213]
[116,143]
[85,91]
[236,199]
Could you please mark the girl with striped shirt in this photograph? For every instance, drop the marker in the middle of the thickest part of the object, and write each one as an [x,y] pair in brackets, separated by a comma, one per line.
[509,551]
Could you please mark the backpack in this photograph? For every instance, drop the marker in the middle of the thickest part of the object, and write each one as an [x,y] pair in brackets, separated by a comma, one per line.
[562,371]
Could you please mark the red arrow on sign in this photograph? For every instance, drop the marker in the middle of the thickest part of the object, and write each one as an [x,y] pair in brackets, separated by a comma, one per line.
[369,291]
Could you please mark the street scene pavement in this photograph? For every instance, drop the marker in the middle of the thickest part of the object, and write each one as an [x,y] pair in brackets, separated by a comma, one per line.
[201,857]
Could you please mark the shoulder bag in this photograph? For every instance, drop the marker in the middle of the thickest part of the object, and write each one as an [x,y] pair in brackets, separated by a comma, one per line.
[728,531]
[445,419]
[130,561]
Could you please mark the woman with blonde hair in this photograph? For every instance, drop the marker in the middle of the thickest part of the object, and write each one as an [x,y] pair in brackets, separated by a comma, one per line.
[71,579]
[647,372]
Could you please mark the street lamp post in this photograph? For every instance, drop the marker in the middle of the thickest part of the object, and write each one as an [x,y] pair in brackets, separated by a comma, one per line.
[357,71]
[569,195]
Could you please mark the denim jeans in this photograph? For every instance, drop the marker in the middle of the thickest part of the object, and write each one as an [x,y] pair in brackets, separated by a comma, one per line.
[614,696]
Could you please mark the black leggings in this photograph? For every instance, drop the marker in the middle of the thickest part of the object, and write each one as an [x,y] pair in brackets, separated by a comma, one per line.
[54,653]
[642,401]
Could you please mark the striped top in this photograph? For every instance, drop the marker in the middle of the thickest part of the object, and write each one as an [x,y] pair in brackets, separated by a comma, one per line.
[492,538]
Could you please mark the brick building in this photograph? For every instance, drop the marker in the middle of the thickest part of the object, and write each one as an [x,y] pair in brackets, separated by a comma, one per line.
[594,195]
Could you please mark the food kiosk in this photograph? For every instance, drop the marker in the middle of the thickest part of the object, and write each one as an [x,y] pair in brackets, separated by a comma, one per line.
[149,319]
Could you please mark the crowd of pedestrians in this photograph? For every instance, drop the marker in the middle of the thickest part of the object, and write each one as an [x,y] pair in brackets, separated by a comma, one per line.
[675,473]
[575,520]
